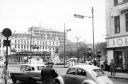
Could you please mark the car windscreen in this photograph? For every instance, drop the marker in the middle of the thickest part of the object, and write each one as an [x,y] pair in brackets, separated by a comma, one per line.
[40,67]
[98,72]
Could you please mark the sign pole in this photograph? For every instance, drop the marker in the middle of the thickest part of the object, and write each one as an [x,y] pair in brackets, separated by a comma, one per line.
[7,33]
[6,67]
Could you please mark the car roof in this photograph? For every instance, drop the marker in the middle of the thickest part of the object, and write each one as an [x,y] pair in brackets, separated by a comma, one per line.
[86,67]
[34,64]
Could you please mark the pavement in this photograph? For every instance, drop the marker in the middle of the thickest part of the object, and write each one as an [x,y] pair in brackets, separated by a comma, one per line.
[118,75]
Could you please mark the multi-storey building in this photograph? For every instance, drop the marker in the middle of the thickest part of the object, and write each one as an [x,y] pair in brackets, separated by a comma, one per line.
[117,32]
[48,33]
[26,42]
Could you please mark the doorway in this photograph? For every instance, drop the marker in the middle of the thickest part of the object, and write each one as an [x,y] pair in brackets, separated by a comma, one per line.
[118,59]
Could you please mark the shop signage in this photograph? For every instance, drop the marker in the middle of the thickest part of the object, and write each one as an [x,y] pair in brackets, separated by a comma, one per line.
[118,42]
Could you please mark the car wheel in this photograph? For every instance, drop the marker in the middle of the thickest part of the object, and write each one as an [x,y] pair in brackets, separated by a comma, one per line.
[32,81]
[14,79]
[56,82]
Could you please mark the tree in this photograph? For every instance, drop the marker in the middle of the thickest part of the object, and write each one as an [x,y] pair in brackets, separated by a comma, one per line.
[102,48]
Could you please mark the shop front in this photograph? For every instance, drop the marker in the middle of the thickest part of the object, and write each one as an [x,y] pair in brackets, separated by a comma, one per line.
[118,51]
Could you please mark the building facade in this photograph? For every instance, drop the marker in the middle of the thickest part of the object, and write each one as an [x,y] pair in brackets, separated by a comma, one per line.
[32,41]
[117,32]
[48,33]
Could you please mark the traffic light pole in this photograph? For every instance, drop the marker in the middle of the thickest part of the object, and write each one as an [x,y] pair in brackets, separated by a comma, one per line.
[64,45]
[93,51]
[6,62]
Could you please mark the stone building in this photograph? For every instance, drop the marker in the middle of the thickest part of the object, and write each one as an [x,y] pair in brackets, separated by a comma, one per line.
[35,40]
[117,32]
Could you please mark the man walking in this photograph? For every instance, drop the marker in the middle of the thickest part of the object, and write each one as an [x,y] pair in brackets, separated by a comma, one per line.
[48,74]
[112,68]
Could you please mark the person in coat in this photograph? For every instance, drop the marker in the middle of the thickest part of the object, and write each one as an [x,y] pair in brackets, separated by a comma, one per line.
[112,67]
[48,74]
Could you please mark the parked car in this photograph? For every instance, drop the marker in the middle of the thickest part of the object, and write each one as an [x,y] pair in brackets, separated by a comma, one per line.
[29,73]
[83,74]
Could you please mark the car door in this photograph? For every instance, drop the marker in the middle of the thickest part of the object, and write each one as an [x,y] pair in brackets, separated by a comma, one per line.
[70,75]
[81,76]
[35,73]
[23,74]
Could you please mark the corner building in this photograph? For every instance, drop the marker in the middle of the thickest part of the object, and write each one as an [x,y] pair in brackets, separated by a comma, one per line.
[117,33]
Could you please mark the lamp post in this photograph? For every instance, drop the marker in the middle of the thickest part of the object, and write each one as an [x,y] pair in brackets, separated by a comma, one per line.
[64,41]
[77,50]
[92,17]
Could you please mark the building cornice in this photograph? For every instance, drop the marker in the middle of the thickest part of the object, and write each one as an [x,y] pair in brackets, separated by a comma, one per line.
[116,37]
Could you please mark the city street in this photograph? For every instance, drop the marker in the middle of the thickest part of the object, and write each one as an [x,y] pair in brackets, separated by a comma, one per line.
[60,70]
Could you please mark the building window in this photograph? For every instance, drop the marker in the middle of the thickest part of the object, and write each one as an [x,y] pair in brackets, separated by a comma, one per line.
[117,24]
[125,1]
[45,47]
[21,46]
[126,19]
[15,46]
[27,46]
[21,41]
[18,46]
[115,2]
[27,42]
[18,41]
[15,41]
[24,46]
[118,2]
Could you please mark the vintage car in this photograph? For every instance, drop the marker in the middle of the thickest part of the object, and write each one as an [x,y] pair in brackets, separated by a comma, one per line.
[83,74]
[29,73]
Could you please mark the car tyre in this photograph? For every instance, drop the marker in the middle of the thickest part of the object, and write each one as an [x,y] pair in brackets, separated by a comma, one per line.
[56,82]
[14,79]
[32,81]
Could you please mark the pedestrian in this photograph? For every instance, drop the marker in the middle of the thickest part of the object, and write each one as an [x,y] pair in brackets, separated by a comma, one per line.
[4,73]
[48,74]
[105,65]
[112,68]
[95,62]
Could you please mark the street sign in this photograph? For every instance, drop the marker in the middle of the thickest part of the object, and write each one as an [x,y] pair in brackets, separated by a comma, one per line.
[7,32]
[7,42]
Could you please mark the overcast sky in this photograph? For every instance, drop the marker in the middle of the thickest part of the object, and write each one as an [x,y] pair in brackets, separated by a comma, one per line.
[19,15]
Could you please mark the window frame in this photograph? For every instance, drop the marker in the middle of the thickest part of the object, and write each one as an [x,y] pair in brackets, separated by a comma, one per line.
[70,71]
[82,73]
[117,24]
[126,22]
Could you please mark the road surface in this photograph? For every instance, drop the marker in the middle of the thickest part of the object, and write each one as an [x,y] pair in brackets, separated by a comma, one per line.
[61,70]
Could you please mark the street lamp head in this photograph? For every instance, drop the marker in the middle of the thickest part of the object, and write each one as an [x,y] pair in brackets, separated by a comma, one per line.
[68,30]
[79,16]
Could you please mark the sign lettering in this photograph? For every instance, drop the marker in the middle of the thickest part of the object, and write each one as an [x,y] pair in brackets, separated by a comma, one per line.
[118,42]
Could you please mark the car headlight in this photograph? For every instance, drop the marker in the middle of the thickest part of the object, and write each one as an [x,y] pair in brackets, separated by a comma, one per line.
[88,82]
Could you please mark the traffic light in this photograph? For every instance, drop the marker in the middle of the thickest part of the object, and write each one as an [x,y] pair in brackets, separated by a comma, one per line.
[7,42]
[98,54]
[90,52]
